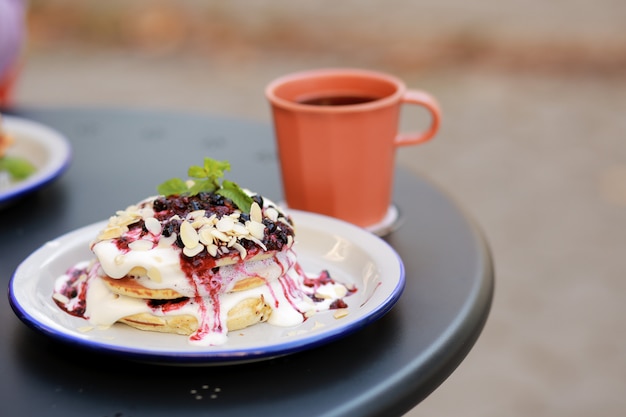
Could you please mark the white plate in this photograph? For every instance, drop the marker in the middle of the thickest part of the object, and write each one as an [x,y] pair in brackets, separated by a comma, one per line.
[349,253]
[45,148]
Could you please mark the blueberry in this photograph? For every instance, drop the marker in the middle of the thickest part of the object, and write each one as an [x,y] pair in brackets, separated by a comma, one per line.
[159,204]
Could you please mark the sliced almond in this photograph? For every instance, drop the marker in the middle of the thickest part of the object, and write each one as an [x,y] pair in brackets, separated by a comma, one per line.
[340,290]
[271,213]
[140,245]
[191,252]
[256,229]
[212,249]
[225,224]
[340,313]
[167,241]
[153,226]
[60,298]
[255,213]
[240,229]
[258,242]
[188,235]
[206,237]
[111,232]
[197,214]
[242,251]
[220,235]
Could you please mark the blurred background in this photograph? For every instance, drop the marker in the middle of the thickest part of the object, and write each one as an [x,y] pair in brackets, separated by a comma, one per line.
[532,146]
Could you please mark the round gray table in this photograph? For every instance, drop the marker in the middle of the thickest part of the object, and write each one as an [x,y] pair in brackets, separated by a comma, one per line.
[384,369]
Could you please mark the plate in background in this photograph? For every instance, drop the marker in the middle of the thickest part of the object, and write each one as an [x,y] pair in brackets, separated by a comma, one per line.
[45,148]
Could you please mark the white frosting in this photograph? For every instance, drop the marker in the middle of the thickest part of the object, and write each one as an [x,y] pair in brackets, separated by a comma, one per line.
[118,264]
[289,305]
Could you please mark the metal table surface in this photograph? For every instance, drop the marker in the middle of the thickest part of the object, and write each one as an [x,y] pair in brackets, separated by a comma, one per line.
[385,369]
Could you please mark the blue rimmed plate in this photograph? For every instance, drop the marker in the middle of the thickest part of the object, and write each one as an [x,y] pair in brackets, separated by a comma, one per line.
[350,254]
[45,148]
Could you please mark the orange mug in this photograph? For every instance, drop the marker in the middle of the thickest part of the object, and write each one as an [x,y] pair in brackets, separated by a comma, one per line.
[337,131]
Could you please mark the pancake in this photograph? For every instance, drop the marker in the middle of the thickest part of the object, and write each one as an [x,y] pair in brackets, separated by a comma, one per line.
[130,287]
[246,313]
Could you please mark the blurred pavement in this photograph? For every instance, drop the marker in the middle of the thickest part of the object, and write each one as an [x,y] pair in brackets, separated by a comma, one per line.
[532,146]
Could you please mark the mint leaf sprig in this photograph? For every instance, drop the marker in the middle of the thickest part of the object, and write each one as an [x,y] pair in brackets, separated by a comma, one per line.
[206,179]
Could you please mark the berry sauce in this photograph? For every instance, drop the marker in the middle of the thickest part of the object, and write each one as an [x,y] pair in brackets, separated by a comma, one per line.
[167,306]
[324,278]
[74,289]
[202,273]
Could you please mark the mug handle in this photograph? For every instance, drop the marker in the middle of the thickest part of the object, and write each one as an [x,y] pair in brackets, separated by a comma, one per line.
[423,99]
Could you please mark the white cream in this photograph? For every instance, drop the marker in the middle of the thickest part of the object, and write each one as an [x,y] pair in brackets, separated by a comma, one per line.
[104,307]
[156,262]
[117,263]
[167,262]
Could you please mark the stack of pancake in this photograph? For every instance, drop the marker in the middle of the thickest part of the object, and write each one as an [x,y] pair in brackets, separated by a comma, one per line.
[192,265]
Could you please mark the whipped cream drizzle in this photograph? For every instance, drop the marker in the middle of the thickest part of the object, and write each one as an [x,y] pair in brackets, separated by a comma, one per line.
[195,246]
[293,296]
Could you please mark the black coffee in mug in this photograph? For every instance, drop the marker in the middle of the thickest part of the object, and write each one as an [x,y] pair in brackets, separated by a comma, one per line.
[337,100]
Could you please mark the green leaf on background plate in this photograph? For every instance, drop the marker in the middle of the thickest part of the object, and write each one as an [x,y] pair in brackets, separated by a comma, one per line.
[18,168]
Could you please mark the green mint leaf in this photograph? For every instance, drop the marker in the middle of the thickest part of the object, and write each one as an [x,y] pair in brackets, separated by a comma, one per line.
[172,186]
[197,172]
[215,169]
[236,194]
[18,168]
[206,179]
[200,186]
